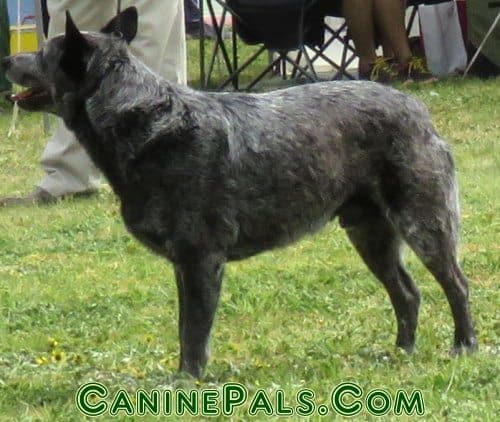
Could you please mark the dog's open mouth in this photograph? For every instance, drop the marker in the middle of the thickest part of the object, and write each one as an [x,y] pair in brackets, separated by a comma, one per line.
[28,93]
[32,98]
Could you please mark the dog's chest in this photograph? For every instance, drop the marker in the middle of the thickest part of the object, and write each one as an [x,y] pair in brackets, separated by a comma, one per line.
[167,225]
[147,223]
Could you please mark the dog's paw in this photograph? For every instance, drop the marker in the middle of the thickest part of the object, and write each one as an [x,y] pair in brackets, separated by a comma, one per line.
[467,346]
[407,348]
[178,380]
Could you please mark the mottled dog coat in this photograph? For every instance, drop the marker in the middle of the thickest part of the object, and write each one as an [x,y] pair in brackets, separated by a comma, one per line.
[205,178]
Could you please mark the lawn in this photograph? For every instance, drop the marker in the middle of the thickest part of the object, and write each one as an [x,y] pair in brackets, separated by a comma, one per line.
[81,300]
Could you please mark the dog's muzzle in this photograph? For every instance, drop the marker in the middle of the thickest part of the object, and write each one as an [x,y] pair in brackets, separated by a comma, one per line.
[35,97]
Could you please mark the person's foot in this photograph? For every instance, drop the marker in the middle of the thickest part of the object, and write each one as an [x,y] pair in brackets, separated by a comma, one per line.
[38,197]
[382,70]
[193,30]
[387,71]
[416,70]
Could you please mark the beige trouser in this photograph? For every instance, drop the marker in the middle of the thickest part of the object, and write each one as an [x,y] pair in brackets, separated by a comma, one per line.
[160,43]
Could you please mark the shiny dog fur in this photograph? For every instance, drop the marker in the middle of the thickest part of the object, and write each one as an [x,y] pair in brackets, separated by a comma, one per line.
[206,178]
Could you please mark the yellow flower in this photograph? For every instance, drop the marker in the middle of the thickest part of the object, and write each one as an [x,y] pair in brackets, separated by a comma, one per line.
[52,343]
[42,360]
[57,356]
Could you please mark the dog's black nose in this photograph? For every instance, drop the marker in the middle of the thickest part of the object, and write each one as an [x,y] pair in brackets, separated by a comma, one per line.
[5,62]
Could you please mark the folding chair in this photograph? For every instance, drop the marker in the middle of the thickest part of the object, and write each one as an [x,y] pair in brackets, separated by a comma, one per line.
[220,47]
[327,8]
[279,27]
[252,19]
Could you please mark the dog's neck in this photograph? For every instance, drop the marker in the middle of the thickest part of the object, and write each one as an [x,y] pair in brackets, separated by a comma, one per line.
[131,107]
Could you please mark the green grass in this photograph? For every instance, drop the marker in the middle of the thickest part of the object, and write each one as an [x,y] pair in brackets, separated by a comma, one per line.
[81,300]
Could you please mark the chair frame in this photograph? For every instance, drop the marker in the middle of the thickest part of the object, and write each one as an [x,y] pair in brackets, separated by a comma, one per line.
[278,63]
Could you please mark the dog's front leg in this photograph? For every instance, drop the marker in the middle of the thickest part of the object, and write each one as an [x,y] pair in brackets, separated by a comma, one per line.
[199,279]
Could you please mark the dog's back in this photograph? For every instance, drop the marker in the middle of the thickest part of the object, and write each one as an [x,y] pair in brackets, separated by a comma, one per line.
[286,162]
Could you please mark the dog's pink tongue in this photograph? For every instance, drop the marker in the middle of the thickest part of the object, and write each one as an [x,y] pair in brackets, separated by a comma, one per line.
[23,95]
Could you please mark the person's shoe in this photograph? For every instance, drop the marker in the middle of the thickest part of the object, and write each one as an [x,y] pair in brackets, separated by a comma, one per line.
[416,70]
[382,70]
[40,197]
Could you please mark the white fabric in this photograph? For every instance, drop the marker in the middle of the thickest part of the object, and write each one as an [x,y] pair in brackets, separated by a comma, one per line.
[444,45]
[160,43]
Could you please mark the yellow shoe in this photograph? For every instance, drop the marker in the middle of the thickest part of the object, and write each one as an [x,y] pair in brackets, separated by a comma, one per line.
[381,70]
[416,70]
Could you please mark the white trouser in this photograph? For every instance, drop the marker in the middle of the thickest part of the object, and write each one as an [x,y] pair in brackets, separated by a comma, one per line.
[160,43]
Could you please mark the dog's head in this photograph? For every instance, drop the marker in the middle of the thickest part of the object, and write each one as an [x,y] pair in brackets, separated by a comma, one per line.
[73,62]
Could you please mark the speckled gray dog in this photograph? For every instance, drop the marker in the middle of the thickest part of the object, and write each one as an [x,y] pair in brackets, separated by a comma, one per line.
[206,178]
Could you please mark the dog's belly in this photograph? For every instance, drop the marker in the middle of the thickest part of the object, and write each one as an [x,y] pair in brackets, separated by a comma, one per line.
[275,237]
[261,231]
[283,193]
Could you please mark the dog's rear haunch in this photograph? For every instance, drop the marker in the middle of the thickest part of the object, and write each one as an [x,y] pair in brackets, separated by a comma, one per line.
[206,178]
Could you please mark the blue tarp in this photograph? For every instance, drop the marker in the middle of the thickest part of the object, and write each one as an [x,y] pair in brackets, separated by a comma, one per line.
[27,15]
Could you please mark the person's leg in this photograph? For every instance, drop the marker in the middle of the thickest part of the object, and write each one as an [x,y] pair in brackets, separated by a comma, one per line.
[389,18]
[360,21]
[174,61]
[359,18]
[390,21]
[382,37]
[68,167]
[161,42]
[69,170]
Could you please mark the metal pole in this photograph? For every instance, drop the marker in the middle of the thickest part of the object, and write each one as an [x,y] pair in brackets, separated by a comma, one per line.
[493,26]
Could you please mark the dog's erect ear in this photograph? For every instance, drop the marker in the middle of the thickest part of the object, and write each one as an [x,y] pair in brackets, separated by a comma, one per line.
[75,49]
[124,23]
[73,37]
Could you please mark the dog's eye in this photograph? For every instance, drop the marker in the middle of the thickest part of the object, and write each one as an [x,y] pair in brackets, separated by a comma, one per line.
[117,34]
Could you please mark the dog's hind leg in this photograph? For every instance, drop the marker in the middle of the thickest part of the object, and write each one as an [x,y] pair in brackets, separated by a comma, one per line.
[433,239]
[423,205]
[379,245]
[199,279]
